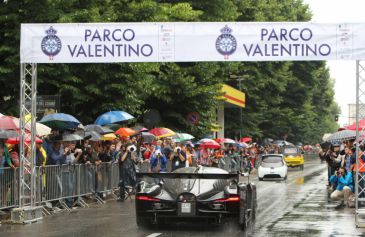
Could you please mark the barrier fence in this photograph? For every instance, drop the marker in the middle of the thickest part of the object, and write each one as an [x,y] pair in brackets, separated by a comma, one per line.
[68,182]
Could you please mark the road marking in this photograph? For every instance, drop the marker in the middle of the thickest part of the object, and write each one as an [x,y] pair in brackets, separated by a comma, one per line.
[154,235]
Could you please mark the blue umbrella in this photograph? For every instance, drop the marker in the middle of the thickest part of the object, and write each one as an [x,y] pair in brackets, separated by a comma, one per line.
[113,117]
[60,121]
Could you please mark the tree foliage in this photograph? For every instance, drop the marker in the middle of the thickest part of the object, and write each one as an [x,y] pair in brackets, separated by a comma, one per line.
[293,99]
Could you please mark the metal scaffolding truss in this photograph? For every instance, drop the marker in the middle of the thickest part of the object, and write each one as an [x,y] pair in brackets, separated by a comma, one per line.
[27,151]
[360,176]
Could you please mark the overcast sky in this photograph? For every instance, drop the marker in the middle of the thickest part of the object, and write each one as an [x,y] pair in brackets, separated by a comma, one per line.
[343,72]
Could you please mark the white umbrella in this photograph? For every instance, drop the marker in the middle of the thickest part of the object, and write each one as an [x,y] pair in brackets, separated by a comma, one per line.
[41,129]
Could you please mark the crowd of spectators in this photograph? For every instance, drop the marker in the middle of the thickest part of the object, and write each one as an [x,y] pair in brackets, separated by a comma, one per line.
[341,162]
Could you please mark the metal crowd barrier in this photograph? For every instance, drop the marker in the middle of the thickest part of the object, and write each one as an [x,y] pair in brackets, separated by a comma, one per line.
[73,182]
[60,183]
[9,188]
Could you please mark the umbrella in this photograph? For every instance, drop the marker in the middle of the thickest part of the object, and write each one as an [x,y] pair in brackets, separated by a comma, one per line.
[5,134]
[41,129]
[60,121]
[181,137]
[113,117]
[125,132]
[92,136]
[225,140]
[140,128]
[246,139]
[97,128]
[12,123]
[343,135]
[162,132]
[282,143]
[208,143]
[108,137]
[242,144]
[71,137]
[148,137]
[27,139]
[9,123]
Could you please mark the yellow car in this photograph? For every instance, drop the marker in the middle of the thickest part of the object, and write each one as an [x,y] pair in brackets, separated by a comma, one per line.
[293,157]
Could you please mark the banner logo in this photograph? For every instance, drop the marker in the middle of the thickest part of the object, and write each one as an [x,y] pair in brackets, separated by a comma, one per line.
[226,44]
[51,45]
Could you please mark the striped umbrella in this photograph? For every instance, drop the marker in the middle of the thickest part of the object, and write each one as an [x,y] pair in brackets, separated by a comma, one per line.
[208,143]
[343,135]
[162,132]
[225,140]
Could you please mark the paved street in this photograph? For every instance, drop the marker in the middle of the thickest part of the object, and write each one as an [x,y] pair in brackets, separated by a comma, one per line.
[298,207]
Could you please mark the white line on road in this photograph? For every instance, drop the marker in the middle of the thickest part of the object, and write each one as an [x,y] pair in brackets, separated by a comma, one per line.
[154,235]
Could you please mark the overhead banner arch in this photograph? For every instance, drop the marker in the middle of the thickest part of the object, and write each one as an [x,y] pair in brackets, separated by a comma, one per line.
[191,42]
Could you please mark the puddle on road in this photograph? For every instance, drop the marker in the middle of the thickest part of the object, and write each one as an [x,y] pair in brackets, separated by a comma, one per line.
[306,178]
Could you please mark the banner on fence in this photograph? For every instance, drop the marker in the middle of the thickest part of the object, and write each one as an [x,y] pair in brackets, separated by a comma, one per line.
[190,41]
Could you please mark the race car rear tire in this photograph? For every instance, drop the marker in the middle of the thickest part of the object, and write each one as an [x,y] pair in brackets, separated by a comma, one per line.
[261,179]
[243,213]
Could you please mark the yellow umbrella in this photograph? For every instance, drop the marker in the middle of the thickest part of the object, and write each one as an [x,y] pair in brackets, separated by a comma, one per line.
[162,132]
[108,137]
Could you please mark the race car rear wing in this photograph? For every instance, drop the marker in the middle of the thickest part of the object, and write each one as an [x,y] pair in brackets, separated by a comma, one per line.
[187,176]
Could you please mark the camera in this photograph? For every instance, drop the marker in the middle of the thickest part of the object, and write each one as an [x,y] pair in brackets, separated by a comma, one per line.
[158,153]
[177,149]
[132,148]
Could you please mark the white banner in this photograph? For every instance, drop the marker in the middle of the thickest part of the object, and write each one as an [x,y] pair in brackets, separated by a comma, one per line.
[190,41]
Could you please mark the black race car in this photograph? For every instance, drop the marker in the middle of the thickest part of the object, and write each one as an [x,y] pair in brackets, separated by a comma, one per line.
[194,192]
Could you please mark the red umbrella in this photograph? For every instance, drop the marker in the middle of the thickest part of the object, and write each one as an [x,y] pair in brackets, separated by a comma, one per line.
[353,126]
[246,139]
[125,132]
[9,123]
[225,140]
[27,139]
[209,143]
[162,132]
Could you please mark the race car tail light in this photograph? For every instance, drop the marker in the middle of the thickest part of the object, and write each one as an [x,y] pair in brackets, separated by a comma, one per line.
[229,199]
[146,198]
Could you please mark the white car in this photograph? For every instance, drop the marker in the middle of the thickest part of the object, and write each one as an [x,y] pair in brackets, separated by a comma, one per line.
[272,166]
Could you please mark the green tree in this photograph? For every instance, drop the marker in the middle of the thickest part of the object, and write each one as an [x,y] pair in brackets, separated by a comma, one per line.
[274,108]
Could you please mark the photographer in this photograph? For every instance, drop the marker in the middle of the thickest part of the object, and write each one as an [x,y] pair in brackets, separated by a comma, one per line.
[344,186]
[333,160]
[158,162]
[177,158]
[127,169]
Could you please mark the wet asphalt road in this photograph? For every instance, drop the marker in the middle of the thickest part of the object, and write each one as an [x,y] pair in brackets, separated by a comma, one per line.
[297,207]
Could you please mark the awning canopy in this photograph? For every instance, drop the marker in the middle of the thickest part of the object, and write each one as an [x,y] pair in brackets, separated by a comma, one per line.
[233,97]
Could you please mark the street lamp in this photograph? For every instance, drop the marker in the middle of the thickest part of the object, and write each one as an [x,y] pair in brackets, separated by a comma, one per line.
[239,79]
